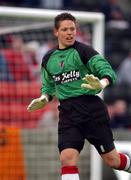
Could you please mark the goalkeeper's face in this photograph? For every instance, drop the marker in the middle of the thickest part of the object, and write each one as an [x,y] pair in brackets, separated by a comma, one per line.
[66,33]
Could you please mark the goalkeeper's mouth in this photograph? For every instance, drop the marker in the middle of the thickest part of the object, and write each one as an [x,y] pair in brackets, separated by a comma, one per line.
[70,40]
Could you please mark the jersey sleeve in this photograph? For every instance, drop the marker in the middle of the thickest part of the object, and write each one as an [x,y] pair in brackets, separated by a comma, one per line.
[48,86]
[101,68]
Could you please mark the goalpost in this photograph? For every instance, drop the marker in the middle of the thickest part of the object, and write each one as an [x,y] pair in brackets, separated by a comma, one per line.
[27,19]
[97,19]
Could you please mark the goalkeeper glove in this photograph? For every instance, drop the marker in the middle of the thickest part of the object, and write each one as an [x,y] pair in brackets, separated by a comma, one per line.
[38,103]
[94,83]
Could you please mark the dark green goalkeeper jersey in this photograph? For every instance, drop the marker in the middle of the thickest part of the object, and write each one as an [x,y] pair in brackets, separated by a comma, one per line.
[63,69]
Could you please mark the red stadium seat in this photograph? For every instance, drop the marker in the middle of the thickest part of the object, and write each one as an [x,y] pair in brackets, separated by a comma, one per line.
[18,66]
[14,99]
[19,90]
[15,114]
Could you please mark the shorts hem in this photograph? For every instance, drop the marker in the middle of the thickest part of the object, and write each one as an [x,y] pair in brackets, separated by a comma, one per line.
[66,146]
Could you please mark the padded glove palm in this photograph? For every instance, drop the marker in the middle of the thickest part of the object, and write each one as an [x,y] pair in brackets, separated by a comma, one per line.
[93,83]
[37,103]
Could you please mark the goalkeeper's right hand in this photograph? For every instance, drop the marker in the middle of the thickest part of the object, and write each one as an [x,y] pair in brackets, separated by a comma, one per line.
[38,103]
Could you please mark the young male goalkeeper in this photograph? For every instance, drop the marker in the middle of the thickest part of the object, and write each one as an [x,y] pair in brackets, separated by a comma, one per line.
[75,73]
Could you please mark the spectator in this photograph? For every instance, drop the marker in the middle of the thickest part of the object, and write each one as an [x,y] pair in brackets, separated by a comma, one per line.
[68,4]
[43,49]
[17,60]
[114,14]
[31,49]
[124,70]
[111,9]
[118,114]
[30,3]
[4,71]
[24,3]
[57,4]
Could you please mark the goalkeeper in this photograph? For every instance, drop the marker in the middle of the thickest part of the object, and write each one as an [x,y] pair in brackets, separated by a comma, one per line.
[75,73]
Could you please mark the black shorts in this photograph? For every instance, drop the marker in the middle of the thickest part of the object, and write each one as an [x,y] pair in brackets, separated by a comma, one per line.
[84,117]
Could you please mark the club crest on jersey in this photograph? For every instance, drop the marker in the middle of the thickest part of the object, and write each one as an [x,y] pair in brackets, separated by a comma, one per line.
[61,64]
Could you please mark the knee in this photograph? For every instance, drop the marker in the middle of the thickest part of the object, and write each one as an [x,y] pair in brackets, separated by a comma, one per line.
[112,159]
[68,158]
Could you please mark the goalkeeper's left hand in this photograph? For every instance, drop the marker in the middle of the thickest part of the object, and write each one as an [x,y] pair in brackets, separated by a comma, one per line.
[94,83]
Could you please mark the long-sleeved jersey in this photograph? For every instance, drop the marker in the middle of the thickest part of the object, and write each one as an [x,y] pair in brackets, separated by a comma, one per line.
[62,70]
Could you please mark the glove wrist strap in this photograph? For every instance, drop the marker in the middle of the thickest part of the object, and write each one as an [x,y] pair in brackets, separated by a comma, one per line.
[104,83]
[44,97]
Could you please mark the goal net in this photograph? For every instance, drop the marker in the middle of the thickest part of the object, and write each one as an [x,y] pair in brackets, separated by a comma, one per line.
[25,36]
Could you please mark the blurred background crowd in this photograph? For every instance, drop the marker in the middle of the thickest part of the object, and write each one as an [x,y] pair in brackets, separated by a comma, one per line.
[20,60]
